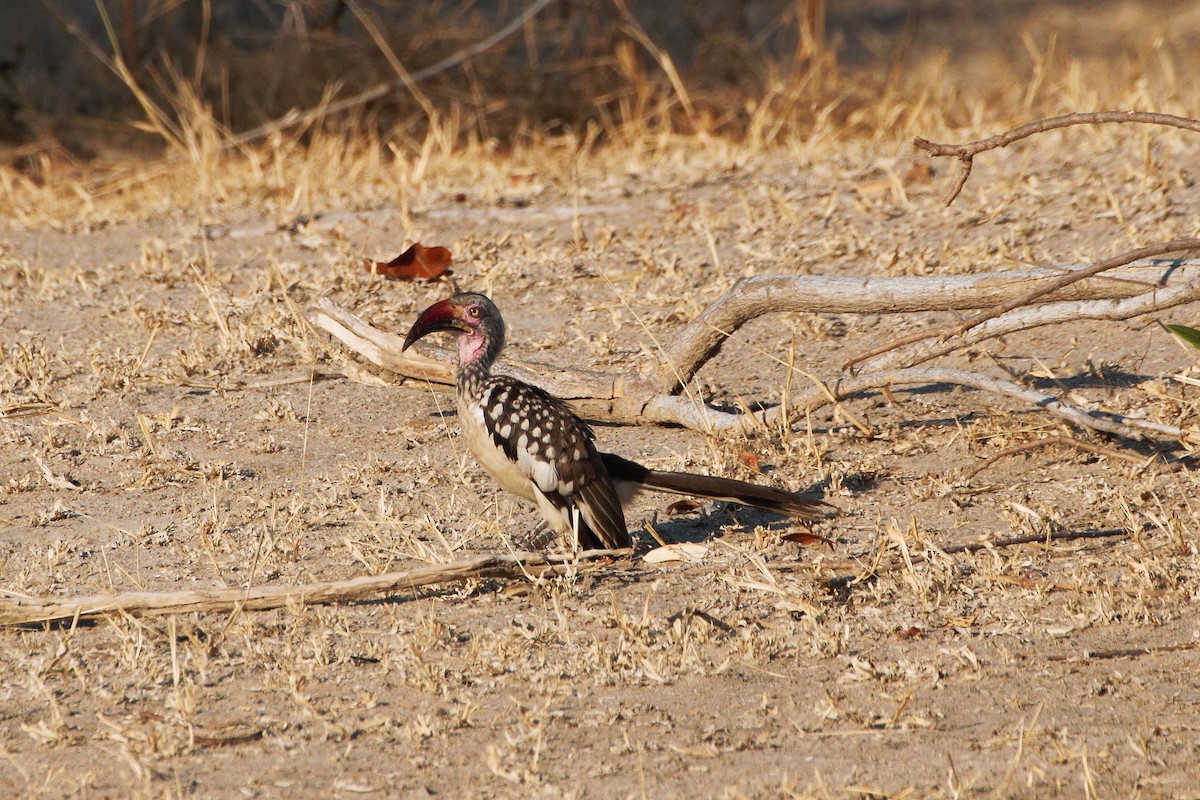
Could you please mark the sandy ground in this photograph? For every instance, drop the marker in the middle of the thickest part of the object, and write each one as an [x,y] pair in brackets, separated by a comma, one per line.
[161,431]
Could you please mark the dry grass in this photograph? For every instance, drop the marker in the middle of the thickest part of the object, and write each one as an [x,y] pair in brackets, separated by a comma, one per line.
[162,428]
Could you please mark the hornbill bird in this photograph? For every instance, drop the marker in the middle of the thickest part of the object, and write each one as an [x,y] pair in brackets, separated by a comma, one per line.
[535,446]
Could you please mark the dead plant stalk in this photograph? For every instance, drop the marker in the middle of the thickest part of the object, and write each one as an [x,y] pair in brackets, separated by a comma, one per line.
[29,610]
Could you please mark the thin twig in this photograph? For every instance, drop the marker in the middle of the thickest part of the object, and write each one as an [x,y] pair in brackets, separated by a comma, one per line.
[27,610]
[966,152]
[1036,538]
[237,385]
[1050,441]
[1081,588]
[1125,652]
[842,581]
[371,25]
[1109,422]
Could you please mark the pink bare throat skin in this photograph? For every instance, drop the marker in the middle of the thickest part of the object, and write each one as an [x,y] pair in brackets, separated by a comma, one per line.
[469,347]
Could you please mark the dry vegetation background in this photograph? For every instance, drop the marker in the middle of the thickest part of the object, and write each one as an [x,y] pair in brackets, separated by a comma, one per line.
[169,421]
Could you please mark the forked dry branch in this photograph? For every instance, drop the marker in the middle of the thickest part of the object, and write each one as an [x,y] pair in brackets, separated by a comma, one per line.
[966,152]
[1029,317]
[1125,290]
[1040,293]
[30,610]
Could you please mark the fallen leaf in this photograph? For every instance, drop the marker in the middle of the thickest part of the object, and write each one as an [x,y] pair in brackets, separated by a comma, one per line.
[685,551]
[750,460]
[682,507]
[684,210]
[521,176]
[661,555]
[805,538]
[417,263]
[919,172]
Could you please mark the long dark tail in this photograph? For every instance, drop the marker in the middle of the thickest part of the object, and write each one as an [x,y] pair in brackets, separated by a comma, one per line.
[767,498]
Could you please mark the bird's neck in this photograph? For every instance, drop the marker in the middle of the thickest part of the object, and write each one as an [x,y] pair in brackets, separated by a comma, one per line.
[476,354]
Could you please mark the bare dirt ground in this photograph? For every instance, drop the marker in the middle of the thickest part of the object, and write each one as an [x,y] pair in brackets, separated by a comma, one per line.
[161,430]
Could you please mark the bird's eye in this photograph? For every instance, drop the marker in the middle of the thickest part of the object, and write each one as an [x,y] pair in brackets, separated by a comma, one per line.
[473,312]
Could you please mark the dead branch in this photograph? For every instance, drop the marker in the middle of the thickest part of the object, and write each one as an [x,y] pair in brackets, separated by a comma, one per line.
[28,610]
[1040,292]
[382,350]
[966,152]
[846,580]
[749,299]
[1055,441]
[1024,319]
[671,408]
[1119,293]
[1124,652]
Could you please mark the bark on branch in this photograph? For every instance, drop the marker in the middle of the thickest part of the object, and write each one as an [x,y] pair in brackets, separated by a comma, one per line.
[1042,291]
[1027,318]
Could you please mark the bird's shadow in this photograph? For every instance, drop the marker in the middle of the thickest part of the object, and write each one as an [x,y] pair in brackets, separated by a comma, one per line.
[721,517]
[699,526]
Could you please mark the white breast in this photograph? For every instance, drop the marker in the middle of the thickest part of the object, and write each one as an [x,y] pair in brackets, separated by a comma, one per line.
[490,457]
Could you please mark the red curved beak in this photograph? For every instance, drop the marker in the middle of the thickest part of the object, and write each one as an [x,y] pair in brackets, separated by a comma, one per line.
[443,316]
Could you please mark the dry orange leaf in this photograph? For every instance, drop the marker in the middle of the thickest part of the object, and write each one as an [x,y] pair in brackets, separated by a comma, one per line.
[682,507]
[919,172]
[417,263]
[684,210]
[750,460]
[805,539]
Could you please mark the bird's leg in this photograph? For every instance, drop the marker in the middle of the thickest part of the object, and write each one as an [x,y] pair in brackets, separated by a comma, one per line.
[576,547]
